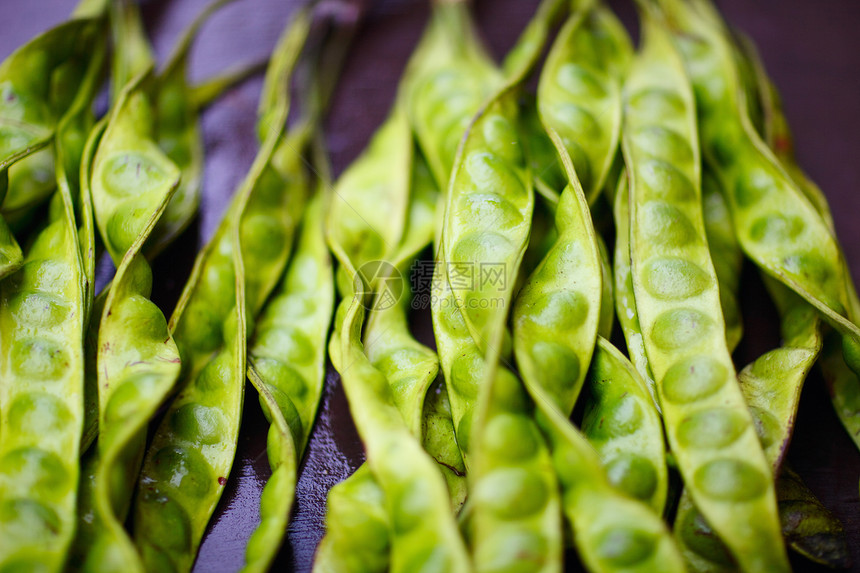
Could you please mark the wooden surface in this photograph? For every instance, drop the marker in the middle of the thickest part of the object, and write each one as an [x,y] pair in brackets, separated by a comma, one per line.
[811,49]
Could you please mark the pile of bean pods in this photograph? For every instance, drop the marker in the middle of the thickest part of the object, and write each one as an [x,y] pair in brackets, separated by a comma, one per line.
[629,185]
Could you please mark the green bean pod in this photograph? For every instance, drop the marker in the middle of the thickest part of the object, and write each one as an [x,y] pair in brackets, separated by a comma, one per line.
[625,428]
[842,382]
[557,312]
[186,466]
[455,77]
[41,398]
[771,386]
[134,374]
[776,224]
[514,509]
[287,367]
[130,173]
[612,532]
[38,83]
[726,254]
[677,301]
[358,537]
[178,129]
[78,135]
[367,216]
[409,367]
[579,95]
[423,529]
[625,298]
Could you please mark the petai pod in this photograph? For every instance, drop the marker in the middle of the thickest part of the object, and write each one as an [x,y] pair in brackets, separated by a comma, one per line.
[38,83]
[611,531]
[357,538]
[134,373]
[423,531]
[579,95]
[625,298]
[456,76]
[772,386]
[178,135]
[557,312]
[367,215]
[842,383]
[186,466]
[725,253]
[776,224]
[41,398]
[677,301]
[514,507]
[287,367]
[625,428]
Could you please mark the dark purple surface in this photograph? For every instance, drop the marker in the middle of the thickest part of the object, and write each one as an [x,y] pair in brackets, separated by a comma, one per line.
[811,49]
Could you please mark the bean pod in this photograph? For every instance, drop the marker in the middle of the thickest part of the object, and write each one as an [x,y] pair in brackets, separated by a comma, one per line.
[677,301]
[187,464]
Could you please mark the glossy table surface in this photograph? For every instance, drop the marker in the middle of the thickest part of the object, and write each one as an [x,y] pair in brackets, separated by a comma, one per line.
[811,49]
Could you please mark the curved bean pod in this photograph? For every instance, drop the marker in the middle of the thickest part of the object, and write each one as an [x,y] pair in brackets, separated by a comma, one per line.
[776,224]
[456,76]
[625,298]
[287,367]
[842,382]
[625,428]
[612,532]
[725,253]
[186,467]
[368,209]
[41,398]
[487,217]
[677,300]
[579,95]
[514,510]
[38,83]
[557,312]
[409,367]
[423,530]
[178,134]
[134,374]
[357,538]
[130,174]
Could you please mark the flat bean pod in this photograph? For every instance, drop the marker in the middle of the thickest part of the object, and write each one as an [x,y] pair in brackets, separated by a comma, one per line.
[842,383]
[287,366]
[612,532]
[625,297]
[625,428]
[357,538]
[178,134]
[368,210]
[187,464]
[41,398]
[776,224]
[134,374]
[725,253]
[514,516]
[456,76]
[38,82]
[579,95]
[677,300]
[423,531]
